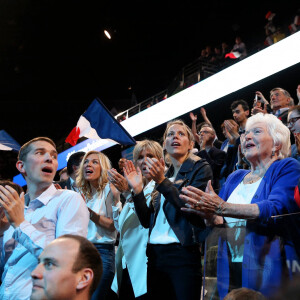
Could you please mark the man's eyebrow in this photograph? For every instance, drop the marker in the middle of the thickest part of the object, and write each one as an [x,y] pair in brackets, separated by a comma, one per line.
[48,259]
[39,149]
[44,149]
[54,151]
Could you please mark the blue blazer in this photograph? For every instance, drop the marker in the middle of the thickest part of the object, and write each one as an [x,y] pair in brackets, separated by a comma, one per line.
[261,270]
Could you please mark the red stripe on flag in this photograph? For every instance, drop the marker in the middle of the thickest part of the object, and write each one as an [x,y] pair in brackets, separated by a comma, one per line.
[297,196]
[230,55]
[73,137]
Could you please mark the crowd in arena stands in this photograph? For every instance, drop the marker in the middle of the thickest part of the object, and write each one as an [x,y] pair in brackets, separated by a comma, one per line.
[220,55]
[144,223]
[139,232]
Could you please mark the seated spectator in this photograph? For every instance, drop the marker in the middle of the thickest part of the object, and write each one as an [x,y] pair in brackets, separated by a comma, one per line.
[225,50]
[214,156]
[280,102]
[72,168]
[239,50]
[229,146]
[232,130]
[196,128]
[295,25]
[270,29]
[202,56]
[217,59]
[298,93]
[121,164]
[63,174]
[294,126]
[240,113]
[70,267]
[209,53]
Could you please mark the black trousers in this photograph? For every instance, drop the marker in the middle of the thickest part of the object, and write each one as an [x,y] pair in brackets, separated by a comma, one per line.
[126,290]
[174,272]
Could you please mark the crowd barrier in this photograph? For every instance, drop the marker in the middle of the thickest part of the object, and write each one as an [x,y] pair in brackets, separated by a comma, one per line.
[263,256]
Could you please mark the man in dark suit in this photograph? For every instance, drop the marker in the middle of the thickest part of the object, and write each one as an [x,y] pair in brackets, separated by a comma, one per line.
[72,167]
[214,156]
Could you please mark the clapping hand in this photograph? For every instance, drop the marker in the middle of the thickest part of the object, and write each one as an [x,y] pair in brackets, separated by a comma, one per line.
[156,169]
[13,205]
[193,117]
[133,176]
[232,130]
[118,180]
[206,202]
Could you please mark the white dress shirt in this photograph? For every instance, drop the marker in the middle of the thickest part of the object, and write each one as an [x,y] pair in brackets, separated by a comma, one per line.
[101,203]
[162,233]
[52,214]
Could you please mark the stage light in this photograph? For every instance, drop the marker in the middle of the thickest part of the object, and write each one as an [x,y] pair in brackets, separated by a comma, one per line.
[107,34]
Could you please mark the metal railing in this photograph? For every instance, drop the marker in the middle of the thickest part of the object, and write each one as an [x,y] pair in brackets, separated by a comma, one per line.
[188,76]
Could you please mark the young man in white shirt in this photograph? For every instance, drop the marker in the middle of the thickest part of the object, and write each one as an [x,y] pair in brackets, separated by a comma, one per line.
[36,218]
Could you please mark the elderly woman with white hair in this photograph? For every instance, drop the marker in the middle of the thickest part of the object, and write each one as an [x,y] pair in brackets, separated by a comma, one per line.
[266,190]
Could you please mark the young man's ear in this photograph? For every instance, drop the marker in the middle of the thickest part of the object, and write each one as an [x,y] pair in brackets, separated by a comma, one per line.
[20,167]
[247,112]
[85,278]
[75,168]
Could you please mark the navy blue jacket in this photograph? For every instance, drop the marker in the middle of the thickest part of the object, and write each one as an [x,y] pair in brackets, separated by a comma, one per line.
[187,227]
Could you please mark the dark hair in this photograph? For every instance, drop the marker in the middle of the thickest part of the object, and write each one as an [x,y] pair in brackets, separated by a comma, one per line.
[236,103]
[64,170]
[244,294]
[74,160]
[200,125]
[26,147]
[285,92]
[15,186]
[88,257]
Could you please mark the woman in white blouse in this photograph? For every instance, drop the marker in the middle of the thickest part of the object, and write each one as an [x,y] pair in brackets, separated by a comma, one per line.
[130,281]
[92,181]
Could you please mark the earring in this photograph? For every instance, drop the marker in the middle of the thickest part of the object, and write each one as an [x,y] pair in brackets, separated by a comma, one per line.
[273,153]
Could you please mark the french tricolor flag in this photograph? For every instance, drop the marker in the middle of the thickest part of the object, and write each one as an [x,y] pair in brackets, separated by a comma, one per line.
[233,55]
[7,143]
[98,123]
